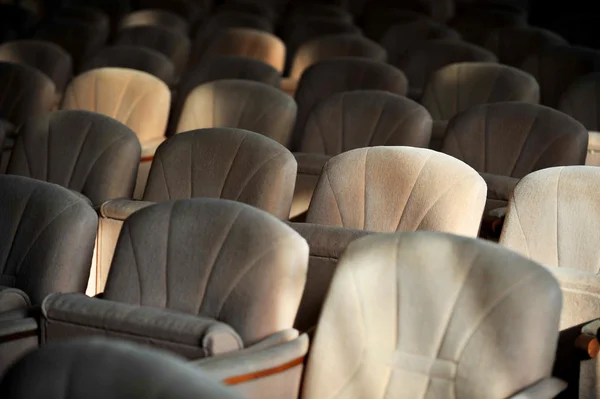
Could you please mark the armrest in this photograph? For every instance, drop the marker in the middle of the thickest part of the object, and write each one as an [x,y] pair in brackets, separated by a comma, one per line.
[289,85]
[121,209]
[499,187]
[15,329]
[257,362]
[13,299]
[547,388]
[588,340]
[327,241]
[68,315]
[149,148]
[311,164]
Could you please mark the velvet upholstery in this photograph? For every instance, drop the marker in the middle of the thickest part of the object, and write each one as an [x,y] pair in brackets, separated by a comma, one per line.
[335,46]
[357,119]
[83,151]
[220,21]
[386,189]
[301,31]
[171,43]
[71,370]
[47,238]
[190,10]
[582,101]
[135,98]
[476,25]
[423,60]
[80,38]
[513,139]
[557,67]
[514,44]
[155,17]
[46,57]
[224,163]
[134,57]
[399,39]
[329,77]
[26,93]
[214,264]
[220,68]
[437,316]
[458,87]
[241,104]
[247,42]
[552,218]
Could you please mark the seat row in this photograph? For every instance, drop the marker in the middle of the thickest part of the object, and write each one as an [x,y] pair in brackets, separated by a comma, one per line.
[220,283]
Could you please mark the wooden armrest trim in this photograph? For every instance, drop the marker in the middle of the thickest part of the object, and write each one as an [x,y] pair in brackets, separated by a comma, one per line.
[240,379]
[589,344]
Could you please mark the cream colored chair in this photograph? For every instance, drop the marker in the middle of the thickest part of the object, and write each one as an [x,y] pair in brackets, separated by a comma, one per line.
[350,120]
[553,218]
[387,189]
[241,104]
[136,99]
[432,315]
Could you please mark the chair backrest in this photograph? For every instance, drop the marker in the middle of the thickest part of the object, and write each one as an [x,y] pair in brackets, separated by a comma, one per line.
[241,104]
[335,46]
[191,10]
[460,86]
[475,25]
[552,218]
[402,37]
[224,20]
[377,20]
[128,371]
[26,93]
[208,252]
[386,189]
[86,152]
[514,44]
[173,44]
[155,17]
[322,80]
[79,38]
[433,315]
[224,163]
[96,18]
[582,101]
[252,43]
[423,60]
[298,32]
[221,68]
[47,238]
[357,119]
[515,139]
[46,57]
[557,67]
[134,57]
[134,98]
